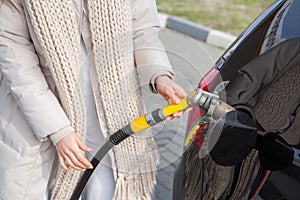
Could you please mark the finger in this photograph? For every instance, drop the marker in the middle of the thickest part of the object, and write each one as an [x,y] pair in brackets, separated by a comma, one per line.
[74,161]
[188,110]
[83,161]
[174,98]
[167,93]
[68,162]
[179,114]
[82,146]
[62,163]
[180,92]
[170,101]
[169,118]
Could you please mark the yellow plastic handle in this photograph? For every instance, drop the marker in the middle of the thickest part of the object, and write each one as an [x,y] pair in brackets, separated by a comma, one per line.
[191,135]
[175,108]
[141,123]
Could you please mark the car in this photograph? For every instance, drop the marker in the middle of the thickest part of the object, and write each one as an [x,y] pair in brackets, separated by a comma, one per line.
[274,34]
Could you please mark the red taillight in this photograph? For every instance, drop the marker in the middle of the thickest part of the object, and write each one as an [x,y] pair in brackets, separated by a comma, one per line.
[195,114]
[208,79]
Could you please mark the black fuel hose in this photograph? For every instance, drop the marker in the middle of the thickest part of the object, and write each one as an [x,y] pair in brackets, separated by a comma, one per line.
[115,139]
[138,125]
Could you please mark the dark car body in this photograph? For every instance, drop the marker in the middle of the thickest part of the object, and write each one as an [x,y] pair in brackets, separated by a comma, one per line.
[278,23]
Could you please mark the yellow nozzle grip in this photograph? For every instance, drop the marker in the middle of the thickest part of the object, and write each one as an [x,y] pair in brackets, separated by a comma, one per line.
[139,124]
[174,108]
[191,135]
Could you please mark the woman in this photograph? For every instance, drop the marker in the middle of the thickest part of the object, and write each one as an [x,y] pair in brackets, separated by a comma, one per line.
[67,75]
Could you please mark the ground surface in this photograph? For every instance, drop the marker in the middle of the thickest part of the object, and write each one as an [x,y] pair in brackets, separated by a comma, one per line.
[191,59]
[230,16]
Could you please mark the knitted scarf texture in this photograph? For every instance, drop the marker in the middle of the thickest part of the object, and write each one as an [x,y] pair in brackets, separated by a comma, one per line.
[111,29]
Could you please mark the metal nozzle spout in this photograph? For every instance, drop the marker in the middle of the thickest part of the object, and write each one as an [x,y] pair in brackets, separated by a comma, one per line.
[202,98]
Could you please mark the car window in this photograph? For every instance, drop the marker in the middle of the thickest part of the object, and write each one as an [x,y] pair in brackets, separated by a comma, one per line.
[276,24]
[285,25]
[262,21]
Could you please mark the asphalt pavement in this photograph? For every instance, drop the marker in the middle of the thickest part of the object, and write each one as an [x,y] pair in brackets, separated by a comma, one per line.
[191,59]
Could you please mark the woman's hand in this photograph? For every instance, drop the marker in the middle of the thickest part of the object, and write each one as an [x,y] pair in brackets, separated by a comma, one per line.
[170,91]
[70,153]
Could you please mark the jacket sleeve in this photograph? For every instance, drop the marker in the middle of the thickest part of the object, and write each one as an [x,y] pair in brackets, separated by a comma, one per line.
[150,56]
[19,65]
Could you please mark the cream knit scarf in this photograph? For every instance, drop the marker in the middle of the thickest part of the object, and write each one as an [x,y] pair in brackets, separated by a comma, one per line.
[110,23]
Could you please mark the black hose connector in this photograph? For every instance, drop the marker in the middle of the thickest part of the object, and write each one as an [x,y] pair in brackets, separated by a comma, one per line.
[158,116]
[120,135]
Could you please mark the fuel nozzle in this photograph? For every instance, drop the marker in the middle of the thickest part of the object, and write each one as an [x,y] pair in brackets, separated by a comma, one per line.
[201,98]
[213,110]
[209,103]
[232,133]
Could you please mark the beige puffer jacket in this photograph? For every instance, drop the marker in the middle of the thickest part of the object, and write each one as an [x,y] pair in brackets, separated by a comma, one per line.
[29,109]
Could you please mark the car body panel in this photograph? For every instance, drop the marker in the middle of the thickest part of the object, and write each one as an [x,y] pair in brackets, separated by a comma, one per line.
[279,22]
